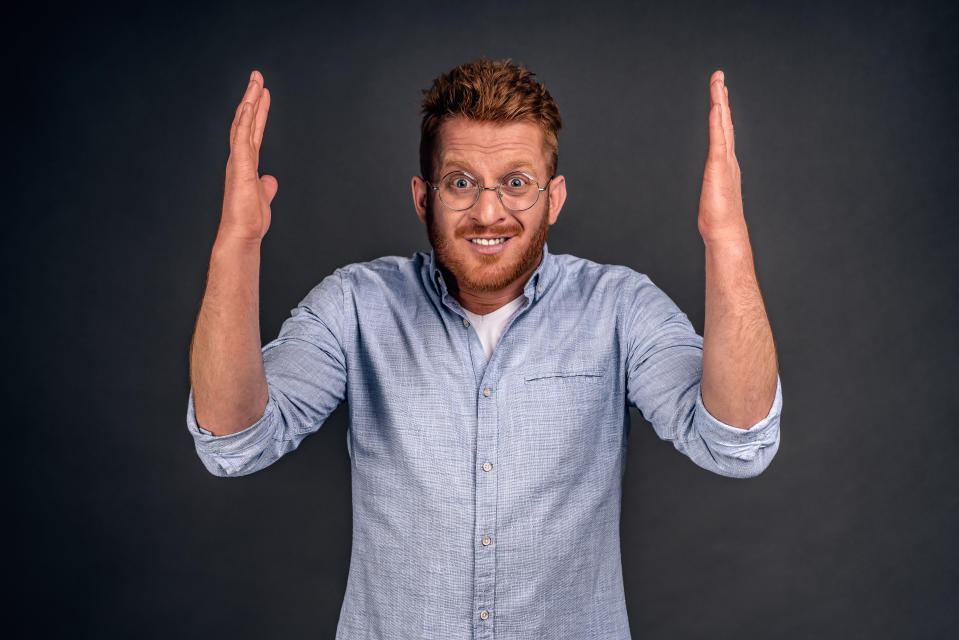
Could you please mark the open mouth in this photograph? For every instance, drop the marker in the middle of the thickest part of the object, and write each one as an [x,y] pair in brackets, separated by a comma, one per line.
[488,242]
[489,245]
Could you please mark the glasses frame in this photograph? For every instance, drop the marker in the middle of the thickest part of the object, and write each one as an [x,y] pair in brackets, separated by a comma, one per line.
[498,189]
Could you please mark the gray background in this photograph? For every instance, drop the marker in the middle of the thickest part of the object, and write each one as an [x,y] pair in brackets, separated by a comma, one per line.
[116,133]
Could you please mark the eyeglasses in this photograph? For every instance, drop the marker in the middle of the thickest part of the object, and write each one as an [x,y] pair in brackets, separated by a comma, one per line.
[459,190]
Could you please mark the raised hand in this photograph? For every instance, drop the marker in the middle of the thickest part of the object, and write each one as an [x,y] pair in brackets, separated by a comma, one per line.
[247,195]
[721,202]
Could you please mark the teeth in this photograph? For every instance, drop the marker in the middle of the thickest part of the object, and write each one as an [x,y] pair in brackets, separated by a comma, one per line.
[485,242]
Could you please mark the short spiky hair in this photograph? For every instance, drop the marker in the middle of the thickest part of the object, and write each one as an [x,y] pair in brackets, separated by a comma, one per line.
[491,92]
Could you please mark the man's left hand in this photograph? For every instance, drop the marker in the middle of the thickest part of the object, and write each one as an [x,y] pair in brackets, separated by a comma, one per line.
[721,217]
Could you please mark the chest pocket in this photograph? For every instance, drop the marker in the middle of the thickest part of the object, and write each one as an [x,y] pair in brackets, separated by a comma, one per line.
[558,411]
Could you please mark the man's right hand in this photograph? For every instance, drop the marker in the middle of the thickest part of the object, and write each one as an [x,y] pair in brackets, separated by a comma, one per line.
[247,195]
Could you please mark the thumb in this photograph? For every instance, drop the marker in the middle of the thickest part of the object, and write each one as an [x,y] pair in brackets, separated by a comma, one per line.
[270,185]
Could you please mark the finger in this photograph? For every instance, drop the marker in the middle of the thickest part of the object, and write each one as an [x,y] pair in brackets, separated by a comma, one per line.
[717,134]
[252,89]
[254,86]
[270,186]
[257,78]
[259,120]
[728,122]
[240,143]
[236,119]
[716,82]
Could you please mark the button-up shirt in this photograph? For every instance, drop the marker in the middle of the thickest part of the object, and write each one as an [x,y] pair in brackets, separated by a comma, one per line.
[486,494]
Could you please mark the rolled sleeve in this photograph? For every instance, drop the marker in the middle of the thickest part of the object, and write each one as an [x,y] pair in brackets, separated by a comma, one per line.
[664,371]
[305,369]
[740,453]
[229,455]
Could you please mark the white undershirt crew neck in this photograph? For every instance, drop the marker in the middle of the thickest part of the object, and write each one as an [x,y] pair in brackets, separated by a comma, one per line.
[490,327]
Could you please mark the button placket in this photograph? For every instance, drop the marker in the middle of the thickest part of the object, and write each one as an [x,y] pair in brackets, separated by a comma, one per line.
[485,497]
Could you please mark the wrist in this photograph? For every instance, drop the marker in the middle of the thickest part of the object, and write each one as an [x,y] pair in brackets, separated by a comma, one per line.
[731,232]
[225,243]
[728,246]
[730,239]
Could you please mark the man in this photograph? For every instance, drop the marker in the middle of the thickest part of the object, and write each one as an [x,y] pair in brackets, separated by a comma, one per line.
[489,381]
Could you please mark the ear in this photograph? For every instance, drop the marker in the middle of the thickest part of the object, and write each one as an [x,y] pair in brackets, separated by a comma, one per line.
[557,196]
[420,197]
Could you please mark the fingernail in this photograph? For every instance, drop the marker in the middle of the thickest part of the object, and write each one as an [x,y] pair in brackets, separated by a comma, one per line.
[252,75]
[722,78]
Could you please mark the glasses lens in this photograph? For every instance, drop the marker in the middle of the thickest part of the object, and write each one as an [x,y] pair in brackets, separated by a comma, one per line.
[458,190]
[519,190]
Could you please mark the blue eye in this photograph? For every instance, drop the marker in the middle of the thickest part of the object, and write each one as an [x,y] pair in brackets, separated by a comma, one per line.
[458,181]
[516,183]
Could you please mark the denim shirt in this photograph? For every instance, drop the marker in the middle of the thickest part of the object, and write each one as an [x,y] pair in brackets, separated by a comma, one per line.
[486,494]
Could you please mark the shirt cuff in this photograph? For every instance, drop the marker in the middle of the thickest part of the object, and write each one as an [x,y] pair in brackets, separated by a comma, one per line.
[743,444]
[234,442]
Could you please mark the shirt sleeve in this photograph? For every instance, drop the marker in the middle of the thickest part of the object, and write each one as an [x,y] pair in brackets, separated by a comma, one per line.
[664,370]
[306,375]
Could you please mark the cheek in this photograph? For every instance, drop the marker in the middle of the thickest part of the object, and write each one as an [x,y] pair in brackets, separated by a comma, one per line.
[440,226]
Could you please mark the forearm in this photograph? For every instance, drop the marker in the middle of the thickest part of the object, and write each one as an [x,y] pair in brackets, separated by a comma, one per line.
[739,357]
[226,364]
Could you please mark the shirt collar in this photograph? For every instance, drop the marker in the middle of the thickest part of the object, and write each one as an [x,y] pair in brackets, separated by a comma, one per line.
[536,286]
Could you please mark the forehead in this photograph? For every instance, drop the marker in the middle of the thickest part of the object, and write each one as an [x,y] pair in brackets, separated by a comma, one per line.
[471,144]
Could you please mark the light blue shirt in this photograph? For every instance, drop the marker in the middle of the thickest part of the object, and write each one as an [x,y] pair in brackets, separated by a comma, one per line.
[486,494]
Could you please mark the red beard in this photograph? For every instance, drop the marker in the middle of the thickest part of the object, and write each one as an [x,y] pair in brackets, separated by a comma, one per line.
[450,255]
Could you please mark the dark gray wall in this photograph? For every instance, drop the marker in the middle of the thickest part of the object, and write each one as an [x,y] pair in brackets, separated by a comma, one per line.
[117,137]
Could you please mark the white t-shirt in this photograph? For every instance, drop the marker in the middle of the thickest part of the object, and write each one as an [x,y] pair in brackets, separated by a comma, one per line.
[491,326]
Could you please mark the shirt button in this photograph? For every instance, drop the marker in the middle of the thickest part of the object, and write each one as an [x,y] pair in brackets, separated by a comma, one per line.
[486,541]
[484,614]
[487,466]
[486,392]
[466,322]
[539,288]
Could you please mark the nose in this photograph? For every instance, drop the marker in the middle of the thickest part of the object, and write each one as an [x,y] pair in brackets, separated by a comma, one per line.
[488,209]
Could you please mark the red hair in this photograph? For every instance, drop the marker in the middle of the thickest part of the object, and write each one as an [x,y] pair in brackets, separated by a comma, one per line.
[492,92]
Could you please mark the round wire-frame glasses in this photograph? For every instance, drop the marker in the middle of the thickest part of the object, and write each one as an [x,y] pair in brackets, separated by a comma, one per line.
[477,188]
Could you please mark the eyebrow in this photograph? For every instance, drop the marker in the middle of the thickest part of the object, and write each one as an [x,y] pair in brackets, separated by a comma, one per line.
[462,164]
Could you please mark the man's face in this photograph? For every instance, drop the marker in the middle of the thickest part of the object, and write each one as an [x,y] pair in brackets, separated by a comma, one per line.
[488,151]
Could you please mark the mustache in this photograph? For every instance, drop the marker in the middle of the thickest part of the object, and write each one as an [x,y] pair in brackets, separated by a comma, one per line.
[489,231]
